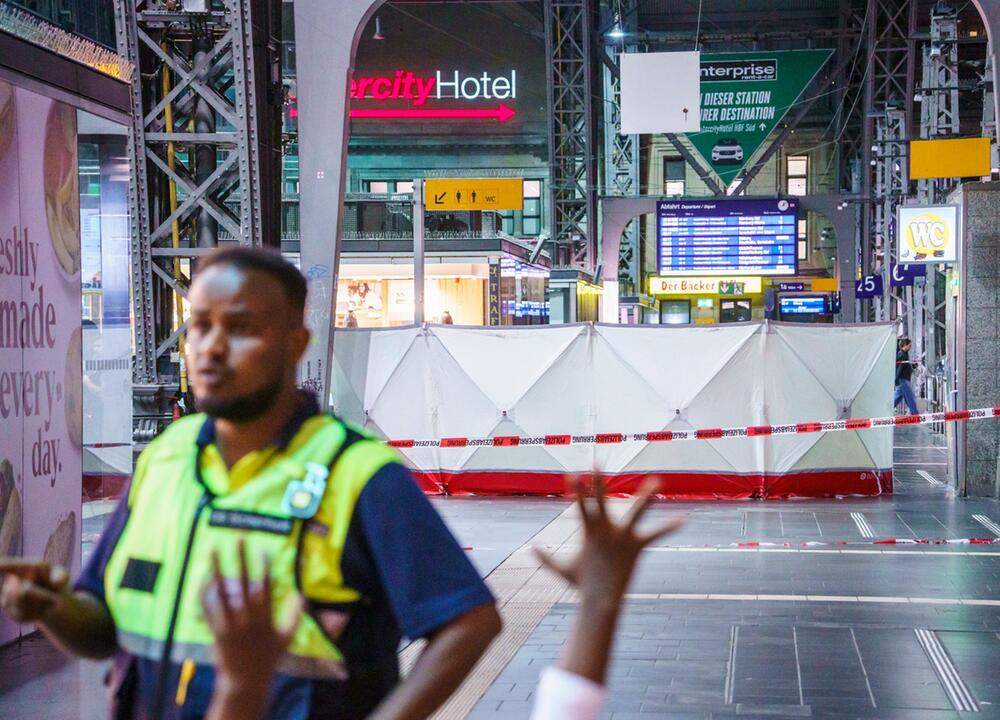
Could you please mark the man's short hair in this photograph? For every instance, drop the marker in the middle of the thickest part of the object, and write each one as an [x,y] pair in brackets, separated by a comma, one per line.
[263,260]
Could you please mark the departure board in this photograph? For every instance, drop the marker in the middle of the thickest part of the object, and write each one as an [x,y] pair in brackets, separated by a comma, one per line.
[803,305]
[731,237]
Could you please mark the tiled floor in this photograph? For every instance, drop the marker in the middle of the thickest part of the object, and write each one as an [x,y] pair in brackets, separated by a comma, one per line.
[780,609]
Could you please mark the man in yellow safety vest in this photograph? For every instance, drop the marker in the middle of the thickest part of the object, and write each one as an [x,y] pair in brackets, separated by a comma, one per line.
[330,514]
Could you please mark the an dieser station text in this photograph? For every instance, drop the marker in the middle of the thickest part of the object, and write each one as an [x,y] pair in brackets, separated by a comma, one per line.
[407,85]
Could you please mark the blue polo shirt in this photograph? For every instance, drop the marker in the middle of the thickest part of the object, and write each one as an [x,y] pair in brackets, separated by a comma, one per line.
[398,554]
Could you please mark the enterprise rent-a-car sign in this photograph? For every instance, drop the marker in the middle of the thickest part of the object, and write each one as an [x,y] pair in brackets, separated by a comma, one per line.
[743,98]
[731,237]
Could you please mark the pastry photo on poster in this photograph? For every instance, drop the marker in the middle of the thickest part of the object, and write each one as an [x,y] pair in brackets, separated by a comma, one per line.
[40,335]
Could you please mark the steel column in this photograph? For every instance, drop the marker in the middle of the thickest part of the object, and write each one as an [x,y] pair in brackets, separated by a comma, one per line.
[891,25]
[572,156]
[187,62]
[621,160]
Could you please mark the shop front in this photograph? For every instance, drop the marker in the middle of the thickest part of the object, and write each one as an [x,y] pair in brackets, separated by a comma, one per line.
[376,291]
[708,300]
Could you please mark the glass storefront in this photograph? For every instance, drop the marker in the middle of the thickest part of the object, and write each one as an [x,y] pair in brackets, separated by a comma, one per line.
[483,291]
[106,307]
[375,295]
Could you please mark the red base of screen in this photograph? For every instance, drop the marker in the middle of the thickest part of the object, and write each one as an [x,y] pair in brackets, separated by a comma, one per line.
[677,486]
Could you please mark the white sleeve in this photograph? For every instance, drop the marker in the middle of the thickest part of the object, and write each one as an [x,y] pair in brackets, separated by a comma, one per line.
[562,695]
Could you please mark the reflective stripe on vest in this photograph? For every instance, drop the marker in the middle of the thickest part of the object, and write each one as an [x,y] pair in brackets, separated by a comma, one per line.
[169,508]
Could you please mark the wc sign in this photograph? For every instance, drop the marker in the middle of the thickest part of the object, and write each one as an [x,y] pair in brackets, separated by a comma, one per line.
[928,234]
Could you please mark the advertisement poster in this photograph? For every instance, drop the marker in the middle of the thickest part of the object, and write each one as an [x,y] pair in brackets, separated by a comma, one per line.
[40,334]
[743,98]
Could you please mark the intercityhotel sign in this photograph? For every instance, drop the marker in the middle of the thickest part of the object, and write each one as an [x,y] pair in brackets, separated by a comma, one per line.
[417,89]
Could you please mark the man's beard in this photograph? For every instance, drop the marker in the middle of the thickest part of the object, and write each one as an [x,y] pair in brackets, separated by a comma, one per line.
[243,408]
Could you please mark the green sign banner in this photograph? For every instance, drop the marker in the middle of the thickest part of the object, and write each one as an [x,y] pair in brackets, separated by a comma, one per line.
[743,97]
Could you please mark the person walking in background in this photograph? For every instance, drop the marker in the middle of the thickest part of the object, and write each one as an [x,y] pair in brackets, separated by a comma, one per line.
[446,318]
[904,371]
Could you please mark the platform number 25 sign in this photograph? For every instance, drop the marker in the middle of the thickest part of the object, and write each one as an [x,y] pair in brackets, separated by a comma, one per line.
[870,286]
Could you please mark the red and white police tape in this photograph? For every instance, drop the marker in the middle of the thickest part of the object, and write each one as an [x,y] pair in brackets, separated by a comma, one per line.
[613,438]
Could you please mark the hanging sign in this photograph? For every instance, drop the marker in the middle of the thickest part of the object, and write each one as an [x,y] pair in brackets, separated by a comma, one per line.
[904,275]
[675,111]
[928,234]
[704,285]
[868,287]
[951,158]
[494,288]
[474,194]
[730,237]
[743,97]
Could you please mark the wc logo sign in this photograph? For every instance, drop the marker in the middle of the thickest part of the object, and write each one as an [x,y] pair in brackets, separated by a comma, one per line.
[928,234]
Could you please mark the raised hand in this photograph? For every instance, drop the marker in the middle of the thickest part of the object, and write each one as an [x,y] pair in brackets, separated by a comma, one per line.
[248,646]
[31,590]
[603,566]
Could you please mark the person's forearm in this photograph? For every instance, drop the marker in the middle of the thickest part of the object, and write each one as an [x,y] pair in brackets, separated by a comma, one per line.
[443,665]
[238,699]
[81,625]
[589,647]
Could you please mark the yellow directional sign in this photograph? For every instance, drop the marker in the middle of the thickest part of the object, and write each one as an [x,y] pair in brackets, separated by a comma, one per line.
[474,194]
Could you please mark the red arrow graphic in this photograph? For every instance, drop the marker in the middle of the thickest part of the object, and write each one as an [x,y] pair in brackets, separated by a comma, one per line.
[501,113]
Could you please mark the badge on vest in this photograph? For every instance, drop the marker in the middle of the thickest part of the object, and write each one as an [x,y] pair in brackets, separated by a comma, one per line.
[302,497]
[140,575]
[242,520]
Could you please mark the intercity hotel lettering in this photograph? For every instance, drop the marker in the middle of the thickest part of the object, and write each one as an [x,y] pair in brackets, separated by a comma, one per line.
[442,85]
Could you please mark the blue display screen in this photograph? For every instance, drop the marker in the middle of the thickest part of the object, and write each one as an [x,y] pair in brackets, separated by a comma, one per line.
[803,306]
[732,237]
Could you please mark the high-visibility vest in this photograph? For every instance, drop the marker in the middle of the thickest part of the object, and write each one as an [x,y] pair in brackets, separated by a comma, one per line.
[288,513]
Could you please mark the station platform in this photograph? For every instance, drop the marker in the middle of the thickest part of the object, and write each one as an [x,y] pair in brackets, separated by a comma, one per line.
[776,609]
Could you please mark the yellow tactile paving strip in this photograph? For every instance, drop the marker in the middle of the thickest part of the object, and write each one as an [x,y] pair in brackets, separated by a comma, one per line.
[525,594]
